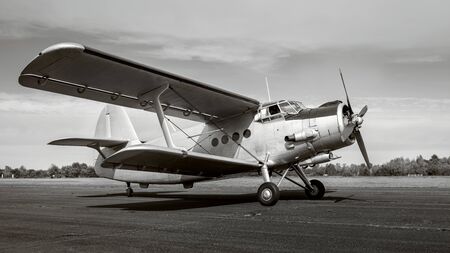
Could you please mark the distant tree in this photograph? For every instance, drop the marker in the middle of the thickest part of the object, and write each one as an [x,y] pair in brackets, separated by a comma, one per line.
[87,171]
[330,169]
[7,172]
[363,170]
[41,174]
[54,171]
[395,167]
[433,165]
[22,172]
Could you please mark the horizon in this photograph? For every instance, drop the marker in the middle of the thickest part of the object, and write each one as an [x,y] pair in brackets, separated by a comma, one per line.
[322,164]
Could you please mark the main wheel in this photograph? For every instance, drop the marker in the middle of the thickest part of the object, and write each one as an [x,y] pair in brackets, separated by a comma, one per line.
[268,194]
[318,190]
[129,192]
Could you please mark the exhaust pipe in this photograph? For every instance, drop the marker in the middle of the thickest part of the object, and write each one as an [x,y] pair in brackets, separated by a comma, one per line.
[305,135]
[320,158]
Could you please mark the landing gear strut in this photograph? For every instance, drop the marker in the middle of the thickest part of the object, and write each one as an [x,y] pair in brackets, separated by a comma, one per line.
[129,190]
[268,192]
[314,189]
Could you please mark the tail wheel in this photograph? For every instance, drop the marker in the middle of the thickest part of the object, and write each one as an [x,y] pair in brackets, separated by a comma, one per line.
[129,192]
[317,192]
[268,194]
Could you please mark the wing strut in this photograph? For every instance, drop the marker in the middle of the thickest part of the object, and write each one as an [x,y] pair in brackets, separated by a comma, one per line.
[155,96]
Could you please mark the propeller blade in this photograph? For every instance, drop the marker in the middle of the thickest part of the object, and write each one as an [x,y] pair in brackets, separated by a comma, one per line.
[363,111]
[348,130]
[362,147]
[346,94]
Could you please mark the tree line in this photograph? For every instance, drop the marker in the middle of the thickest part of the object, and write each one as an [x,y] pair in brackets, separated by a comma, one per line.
[434,166]
[68,171]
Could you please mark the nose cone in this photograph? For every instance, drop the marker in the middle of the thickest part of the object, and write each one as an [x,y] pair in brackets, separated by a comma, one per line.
[358,121]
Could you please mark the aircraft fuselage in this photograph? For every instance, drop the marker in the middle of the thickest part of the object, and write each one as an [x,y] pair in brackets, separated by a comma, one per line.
[286,137]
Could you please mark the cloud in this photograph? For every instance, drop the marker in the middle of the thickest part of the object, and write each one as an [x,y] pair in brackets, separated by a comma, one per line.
[45,103]
[405,104]
[254,54]
[419,59]
[220,50]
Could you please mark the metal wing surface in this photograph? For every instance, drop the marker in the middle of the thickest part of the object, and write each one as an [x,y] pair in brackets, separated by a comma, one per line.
[88,142]
[76,70]
[160,159]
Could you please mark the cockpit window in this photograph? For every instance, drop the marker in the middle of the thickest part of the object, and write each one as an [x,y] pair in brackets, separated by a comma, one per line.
[297,105]
[264,113]
[274,109]
[277,110]
[288,108]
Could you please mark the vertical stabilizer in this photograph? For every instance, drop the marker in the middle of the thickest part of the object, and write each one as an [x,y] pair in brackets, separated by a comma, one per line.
[114,123]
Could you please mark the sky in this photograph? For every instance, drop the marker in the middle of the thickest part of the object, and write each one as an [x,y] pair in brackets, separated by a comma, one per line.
[394,56]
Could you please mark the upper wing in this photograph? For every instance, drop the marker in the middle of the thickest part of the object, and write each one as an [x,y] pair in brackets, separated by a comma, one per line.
[76,70]
[160,159]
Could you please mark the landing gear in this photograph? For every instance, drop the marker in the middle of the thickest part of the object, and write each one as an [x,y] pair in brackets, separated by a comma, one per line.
[129,190]
[268,194]
[314,189]
[317,191]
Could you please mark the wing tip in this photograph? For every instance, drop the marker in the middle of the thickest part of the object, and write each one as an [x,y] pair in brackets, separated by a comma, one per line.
[61,46]
[49,54]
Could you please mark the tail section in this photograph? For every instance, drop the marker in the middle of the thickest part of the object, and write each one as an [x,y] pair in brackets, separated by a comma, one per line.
[114,131]
[114,123]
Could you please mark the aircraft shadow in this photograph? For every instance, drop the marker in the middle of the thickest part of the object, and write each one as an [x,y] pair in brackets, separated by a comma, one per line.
[179,200]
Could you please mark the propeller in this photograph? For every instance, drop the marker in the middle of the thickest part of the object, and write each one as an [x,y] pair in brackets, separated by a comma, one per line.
[363,111]
[346,94]
[362,147]
[355,121]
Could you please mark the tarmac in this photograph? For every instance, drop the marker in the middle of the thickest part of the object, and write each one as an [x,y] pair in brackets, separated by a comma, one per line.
[94,215]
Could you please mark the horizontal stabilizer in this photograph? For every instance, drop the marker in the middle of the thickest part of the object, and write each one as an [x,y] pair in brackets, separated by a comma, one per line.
[169,160]
[88,142]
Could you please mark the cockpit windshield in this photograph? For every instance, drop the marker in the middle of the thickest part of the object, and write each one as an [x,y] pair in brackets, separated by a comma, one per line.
[288,108]
[297,105]
[291,107]
[276,110]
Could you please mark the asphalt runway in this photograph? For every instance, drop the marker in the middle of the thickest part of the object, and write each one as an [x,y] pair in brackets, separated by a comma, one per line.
[94,215]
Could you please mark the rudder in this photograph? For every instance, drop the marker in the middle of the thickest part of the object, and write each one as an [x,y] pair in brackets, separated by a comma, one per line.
[114,123]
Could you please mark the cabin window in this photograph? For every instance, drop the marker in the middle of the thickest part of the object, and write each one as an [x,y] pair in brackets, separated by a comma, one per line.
[225,139]
[215,142]
[247,133]
[235,136]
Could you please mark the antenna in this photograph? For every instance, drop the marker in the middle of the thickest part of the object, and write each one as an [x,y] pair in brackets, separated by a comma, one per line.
[268,90]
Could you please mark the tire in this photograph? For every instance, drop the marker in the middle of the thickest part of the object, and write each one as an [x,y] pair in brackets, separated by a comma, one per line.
[268,194]
[318,192]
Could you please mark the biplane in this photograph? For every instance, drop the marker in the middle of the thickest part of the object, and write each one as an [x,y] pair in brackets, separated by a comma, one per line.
[235,134]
